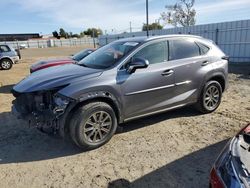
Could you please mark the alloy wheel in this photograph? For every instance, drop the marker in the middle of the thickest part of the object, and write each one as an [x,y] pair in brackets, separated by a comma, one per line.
[5,64]
[212,97]
[97,127]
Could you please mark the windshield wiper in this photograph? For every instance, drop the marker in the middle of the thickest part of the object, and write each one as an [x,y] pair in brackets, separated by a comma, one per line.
[82,64]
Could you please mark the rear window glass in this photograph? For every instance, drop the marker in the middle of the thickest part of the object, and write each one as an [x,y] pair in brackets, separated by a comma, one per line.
[203,48]
[4,48]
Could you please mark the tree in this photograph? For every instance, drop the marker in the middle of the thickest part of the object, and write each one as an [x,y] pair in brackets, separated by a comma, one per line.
[181,13]
[82,34]
[63,33]
[74,35]
[153,26]
[93,32]
[55,34]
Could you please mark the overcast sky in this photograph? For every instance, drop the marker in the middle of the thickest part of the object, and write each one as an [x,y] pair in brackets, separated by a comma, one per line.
[45,16]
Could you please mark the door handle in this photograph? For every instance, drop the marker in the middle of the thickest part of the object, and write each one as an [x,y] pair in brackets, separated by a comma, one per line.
[167,72]
[204,63]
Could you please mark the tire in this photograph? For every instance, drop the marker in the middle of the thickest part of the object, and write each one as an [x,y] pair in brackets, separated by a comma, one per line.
[6,64]
[210,97]
[91,121]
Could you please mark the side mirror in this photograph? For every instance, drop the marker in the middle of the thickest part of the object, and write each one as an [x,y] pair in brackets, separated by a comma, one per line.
[137,63]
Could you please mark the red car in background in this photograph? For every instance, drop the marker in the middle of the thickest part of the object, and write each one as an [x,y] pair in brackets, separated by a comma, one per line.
[232,168]
[55,62]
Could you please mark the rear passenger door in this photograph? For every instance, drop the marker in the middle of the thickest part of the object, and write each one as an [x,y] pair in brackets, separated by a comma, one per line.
[191,64]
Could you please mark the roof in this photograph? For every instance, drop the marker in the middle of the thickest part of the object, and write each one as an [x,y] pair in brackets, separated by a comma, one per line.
[145,38]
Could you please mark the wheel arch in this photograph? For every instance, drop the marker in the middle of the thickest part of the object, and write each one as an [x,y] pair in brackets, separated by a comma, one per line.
[219,78]
[5,57]
[105,97]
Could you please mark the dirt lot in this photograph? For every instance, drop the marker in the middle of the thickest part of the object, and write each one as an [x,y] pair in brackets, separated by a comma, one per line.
[174,149]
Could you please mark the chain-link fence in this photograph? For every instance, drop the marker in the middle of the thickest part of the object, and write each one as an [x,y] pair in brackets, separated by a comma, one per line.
[44,43]
[232,37]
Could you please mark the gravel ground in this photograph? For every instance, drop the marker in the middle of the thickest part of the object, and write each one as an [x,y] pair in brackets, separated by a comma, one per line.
[173,149]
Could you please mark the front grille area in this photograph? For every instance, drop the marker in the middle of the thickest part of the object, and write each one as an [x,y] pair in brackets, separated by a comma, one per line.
[26,103]
[38,108]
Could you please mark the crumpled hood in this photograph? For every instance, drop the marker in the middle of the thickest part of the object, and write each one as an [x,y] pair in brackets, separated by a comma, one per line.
[53,77]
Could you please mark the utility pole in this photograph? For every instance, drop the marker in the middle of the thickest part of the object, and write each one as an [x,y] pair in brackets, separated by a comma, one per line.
[147,16]
[93,36]
[130,27]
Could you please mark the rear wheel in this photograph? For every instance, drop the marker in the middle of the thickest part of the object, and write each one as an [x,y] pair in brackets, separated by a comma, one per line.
[210,97]
[93,125]
[5,64]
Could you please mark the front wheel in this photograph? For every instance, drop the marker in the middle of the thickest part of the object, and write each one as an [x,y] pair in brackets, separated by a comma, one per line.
[210,97]
[93,125]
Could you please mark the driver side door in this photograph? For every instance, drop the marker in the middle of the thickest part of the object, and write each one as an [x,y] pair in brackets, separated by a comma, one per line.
[149,89]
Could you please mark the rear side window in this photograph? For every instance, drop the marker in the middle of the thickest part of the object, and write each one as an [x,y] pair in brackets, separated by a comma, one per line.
[4,48]
[203,48]
[154,53]
[180,49]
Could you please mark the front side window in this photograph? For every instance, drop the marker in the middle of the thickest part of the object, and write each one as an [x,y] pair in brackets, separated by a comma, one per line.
[108,55]
[154,53]
[180,49]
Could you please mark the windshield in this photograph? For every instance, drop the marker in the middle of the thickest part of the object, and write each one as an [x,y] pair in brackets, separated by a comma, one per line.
[108,55]
[80,55]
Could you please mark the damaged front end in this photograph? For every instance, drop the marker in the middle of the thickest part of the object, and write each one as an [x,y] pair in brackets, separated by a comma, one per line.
[44,110]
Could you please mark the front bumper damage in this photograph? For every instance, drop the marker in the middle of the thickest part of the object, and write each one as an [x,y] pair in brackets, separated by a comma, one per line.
[46,110]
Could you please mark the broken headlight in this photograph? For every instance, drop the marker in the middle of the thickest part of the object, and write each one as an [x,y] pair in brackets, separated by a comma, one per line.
[61,102]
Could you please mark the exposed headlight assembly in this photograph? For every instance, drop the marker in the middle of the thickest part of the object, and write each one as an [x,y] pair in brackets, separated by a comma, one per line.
[61,102]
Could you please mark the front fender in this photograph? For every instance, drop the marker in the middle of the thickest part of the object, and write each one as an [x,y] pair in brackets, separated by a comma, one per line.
[106,96]
[85,98]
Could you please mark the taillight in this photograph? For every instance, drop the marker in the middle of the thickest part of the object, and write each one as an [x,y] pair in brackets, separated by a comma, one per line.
[215,180]
[247,129]
[225,57]
[246,134]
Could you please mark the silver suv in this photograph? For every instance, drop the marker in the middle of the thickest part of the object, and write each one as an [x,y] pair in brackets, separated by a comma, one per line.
[8,56]
[124,80]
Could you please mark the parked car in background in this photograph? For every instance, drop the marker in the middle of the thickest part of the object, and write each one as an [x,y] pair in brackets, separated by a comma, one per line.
[232,168]
[23,46]
[124,80]
[55,62]
[8,56]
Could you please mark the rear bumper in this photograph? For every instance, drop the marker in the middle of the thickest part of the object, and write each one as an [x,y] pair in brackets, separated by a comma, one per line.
[15,59]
